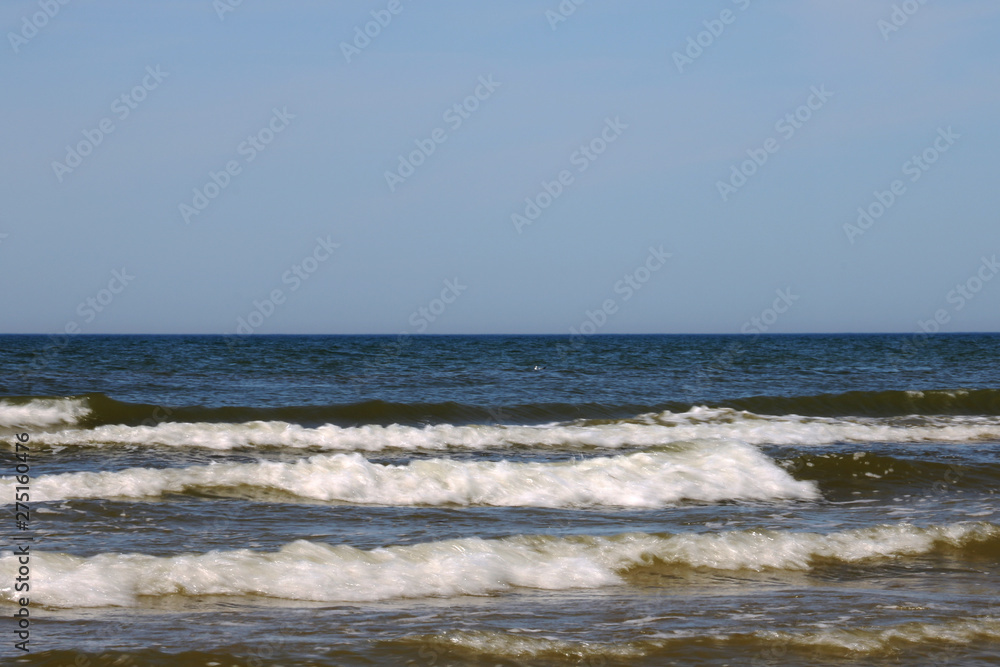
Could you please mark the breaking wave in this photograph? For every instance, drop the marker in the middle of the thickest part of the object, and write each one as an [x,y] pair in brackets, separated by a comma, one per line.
[707,471]
[305,570]
[646,431]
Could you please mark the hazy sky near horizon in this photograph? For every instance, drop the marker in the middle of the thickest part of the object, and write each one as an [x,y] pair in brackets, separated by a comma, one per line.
[499,167]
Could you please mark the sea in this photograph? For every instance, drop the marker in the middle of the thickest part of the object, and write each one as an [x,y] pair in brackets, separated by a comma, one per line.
[500,500]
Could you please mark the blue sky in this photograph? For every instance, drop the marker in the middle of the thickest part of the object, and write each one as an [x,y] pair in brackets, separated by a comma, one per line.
[311,219]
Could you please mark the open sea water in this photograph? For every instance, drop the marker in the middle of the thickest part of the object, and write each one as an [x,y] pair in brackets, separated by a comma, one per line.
[504,500]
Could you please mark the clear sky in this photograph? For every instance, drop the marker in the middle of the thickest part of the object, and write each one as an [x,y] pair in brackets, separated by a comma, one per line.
[268,163]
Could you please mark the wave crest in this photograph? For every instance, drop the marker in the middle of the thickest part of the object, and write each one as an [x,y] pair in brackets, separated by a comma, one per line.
[42,412]
[645,431]
[471,566]
[707,471]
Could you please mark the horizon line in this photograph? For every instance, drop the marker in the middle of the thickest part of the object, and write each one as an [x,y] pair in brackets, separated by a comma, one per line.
[550,335]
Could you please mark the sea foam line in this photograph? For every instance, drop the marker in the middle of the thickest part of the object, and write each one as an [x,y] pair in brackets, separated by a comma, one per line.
[305,570]
[42,412]
[709,471]
[862,640]
[644,431]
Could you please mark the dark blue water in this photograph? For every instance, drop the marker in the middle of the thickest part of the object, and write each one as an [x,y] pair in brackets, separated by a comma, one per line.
[264,371]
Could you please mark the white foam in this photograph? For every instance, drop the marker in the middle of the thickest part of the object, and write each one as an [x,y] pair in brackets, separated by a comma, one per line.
[644,431]
[857,640]
[706,471]
[471,566]
[511,645]
[798,430]
[42,412]
[868,640]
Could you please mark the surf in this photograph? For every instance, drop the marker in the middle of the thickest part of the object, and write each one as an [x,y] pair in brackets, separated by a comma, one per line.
[313,571]
[699,471]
